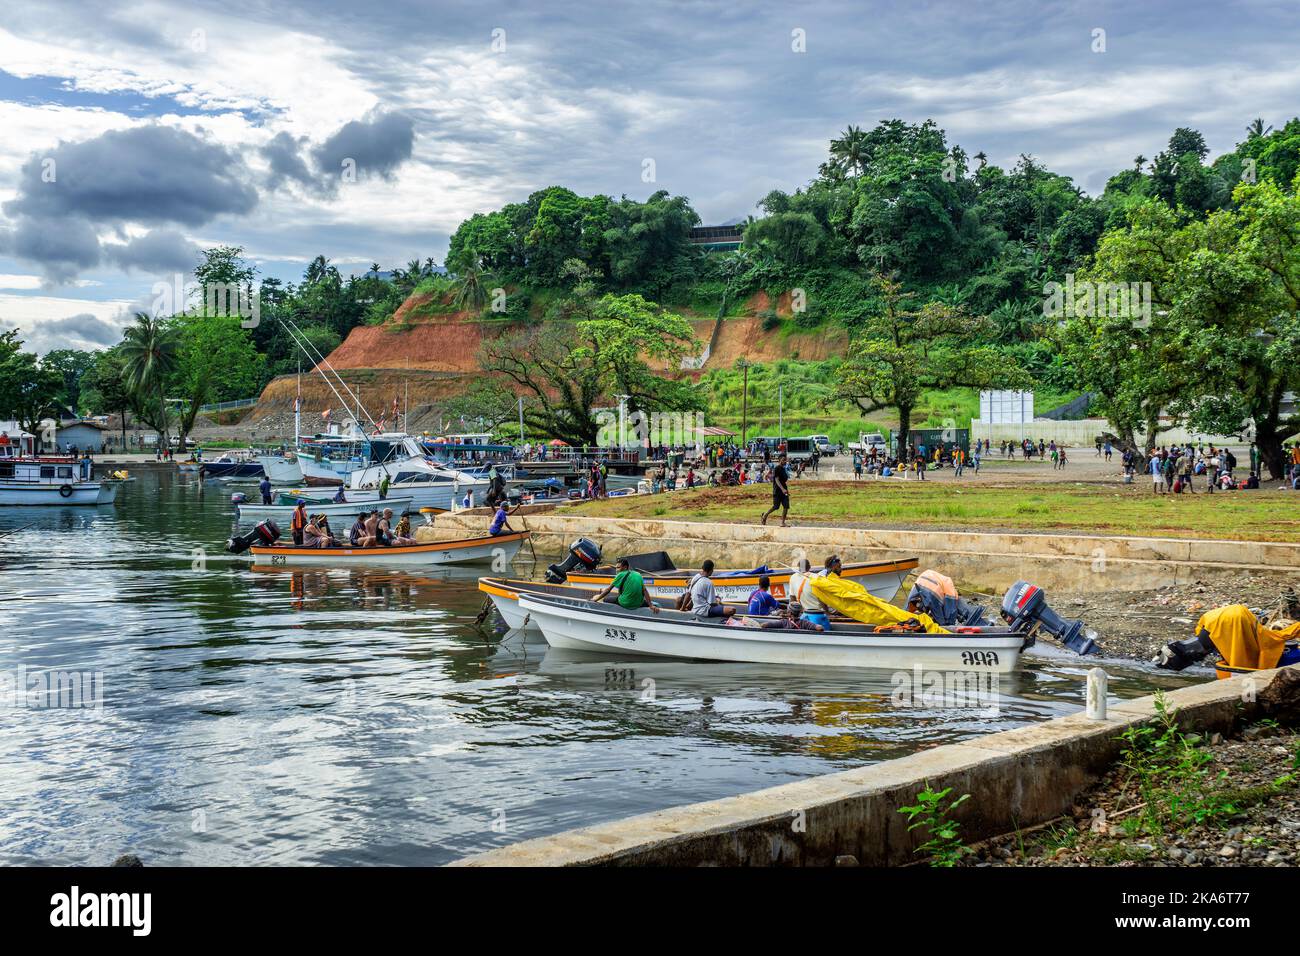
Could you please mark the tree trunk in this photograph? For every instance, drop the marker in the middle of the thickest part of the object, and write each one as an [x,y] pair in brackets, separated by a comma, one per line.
[904,430]
[1268,439]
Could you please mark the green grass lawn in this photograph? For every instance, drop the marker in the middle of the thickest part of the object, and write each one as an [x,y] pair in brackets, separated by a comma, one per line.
[1264,515]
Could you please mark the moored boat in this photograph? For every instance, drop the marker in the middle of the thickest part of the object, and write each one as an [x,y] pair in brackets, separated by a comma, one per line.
[880,578]
[282,513]
[494,549]
[55,480]
[281,469]
[581,625]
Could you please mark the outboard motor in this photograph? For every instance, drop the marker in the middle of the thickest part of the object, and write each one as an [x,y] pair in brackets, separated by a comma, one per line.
[238,498]
[1024,608]
[266,533]
[1179,655]
[936,595]
[583,553]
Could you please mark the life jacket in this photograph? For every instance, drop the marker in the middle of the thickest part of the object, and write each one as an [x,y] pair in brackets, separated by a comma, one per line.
[299,520]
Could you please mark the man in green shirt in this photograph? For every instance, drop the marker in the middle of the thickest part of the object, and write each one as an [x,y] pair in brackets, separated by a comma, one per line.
[629,587]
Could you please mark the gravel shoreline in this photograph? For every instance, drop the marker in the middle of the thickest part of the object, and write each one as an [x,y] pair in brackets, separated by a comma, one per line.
[1262,827]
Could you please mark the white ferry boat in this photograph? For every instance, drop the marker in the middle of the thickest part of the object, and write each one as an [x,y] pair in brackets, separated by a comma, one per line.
[51,480]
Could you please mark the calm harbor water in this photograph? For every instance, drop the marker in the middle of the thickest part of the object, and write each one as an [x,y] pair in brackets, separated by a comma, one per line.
[257,716]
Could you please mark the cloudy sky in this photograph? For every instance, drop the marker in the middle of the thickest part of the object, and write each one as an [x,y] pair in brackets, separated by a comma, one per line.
[132,134]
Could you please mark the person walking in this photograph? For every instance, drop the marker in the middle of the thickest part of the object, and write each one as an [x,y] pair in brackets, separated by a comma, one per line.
[1157,475]
[780,491]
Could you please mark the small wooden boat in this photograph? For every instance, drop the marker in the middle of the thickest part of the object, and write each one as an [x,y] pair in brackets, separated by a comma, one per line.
[282,513]
[881,578]
[504,594]
[582,625]
[498,550]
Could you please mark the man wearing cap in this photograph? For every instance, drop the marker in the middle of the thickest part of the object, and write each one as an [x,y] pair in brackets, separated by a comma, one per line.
[792,619]
[627,590]
[780,491]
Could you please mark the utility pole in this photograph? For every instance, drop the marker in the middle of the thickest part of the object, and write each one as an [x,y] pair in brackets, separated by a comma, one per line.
[780,412]
[744,401]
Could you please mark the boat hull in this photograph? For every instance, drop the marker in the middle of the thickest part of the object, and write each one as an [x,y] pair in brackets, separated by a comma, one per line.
[281,470]
[881,578]
[569,625]
[33,494]
[324,473]
[498,551]
[282,513]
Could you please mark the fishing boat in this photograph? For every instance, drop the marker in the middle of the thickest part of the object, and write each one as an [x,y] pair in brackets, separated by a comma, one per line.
[410,471]
[492,549]
[229,466]
[51,480]
[281,469]
[581,625]
[326,472]
[282,513]
[880,578]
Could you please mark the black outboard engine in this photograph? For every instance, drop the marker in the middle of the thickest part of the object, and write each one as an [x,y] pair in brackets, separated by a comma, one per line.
[1179,655]
[1024,608]
[265,534]
[584,554]
[935,595]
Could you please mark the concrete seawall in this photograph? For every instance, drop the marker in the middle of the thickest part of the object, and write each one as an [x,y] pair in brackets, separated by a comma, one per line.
[1017,779]
[981,561]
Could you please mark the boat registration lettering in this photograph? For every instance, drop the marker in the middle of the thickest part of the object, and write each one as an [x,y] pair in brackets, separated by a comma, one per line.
[277,559]
[980,658]
[618,634]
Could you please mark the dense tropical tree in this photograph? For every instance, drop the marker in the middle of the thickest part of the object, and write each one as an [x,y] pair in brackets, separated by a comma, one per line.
[148,351]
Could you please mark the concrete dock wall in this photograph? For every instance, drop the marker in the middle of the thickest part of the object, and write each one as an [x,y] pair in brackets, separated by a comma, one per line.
[980,561]
[1017,779]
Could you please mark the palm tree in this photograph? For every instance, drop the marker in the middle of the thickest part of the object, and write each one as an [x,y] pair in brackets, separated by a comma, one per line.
[471,285]
[983,158]
[1257,128]
[149,354]
[1139,161]
[851,149]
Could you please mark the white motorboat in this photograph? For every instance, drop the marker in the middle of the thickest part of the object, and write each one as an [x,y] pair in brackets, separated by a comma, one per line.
[582,625]
[498,550]
[411,472]
[282,513]
[52,480]
[281,469]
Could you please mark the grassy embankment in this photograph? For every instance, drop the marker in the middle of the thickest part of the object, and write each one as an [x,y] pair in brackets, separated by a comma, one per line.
[1264,515]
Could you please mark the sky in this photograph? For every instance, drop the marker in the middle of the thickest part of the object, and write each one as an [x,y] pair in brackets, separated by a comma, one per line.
[134,134]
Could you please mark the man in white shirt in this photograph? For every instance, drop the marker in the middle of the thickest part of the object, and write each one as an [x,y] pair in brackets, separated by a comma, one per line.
[704,597]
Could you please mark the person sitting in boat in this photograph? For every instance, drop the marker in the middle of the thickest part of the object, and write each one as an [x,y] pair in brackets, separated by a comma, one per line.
[704,596]
[372,530]
[500,521]
[339,497]
[627,590]
[298,523]
[792,619]
[800,591]
[761,601]
[313,535]
[358,537]
[391,536]
[403,531]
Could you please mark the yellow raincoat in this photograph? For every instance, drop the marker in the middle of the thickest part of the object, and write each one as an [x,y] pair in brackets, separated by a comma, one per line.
[855,601]
[1243,641]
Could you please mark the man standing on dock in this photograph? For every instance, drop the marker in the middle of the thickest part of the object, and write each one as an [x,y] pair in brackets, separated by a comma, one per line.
[780,492]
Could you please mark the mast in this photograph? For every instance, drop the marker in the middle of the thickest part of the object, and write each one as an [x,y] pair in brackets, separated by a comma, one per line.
[297,407]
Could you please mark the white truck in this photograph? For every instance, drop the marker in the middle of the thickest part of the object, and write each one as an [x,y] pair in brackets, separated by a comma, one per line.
[867,441]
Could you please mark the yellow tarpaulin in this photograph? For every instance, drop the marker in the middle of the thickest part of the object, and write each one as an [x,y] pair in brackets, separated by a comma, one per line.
[857,602]
[1242,640]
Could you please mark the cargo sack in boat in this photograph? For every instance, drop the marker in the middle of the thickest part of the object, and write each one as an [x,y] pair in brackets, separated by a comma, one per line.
[855,601]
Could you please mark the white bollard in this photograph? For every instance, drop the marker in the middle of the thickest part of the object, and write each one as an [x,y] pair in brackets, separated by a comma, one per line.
[1096,694]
